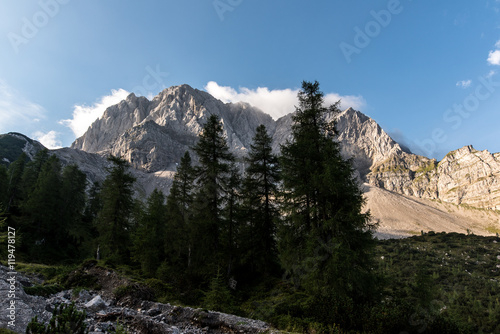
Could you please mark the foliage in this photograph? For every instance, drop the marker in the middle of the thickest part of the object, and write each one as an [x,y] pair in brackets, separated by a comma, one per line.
[179,239]
[65,319]
[218,297]
[4,185]
[114,220]
[44,290]
[212,174]
[260,207]
[325,240]
[450,278]
[120,329]
[148,239]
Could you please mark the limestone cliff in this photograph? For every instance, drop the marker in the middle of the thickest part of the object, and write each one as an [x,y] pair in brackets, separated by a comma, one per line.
[465,176]
[153,135]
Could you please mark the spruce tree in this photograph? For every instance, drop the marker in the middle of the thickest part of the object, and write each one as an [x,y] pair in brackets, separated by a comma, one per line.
[325,240]
[4,186]
[32,171]
[114,219]
[149,236]
[260,207]
[231,214]
[179,238]
[93,204]
[74,184]
[44,229]
[14,190]
[212,173]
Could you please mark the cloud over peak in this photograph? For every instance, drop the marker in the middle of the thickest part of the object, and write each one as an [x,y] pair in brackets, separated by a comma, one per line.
[49,139]
[277,102]
[84,116]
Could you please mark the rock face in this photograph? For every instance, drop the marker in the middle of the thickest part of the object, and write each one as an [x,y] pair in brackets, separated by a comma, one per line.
[464,177]
[153,136]
[24,307]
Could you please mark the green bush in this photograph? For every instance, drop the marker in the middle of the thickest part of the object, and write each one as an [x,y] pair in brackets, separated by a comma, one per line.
[218,298]
[65,319]
[162,291]
[122,291]
[6,331]
[43,290]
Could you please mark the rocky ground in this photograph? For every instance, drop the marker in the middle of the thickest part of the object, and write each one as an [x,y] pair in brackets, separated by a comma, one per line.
[403,216]
[104,311]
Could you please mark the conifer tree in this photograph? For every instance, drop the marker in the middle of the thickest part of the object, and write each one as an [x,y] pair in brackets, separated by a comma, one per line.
[93,204]
[231,213]
[325,240]
[150,234]
[4,185]
[114,219]
[260,208]
[178,239]
[44,230]
[74,184]
[32,171]
[212,173]
[15,174]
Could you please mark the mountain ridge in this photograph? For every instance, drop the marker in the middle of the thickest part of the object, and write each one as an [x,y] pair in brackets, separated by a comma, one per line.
[153,135]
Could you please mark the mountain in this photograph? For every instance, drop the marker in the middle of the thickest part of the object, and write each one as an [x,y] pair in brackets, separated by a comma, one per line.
[153,136]
[13,144]
[463,177]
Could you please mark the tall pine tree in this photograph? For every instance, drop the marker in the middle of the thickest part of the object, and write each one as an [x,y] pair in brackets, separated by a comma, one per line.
[179,240]
[114,219]
[260,207]
[44,229]
[212,173]
[14,190]
[325,240]
[74,184]
[4,186]
[148,241]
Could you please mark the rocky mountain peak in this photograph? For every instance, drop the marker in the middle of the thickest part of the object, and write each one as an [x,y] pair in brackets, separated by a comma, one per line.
[153,136]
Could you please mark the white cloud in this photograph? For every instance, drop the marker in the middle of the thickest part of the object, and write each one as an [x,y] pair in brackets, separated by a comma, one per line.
[49,139]
[17,112]
[276,103]
[464,83]
[494,57]
[84,116]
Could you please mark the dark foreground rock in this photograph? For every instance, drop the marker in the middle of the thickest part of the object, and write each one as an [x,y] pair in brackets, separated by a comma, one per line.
[104,312]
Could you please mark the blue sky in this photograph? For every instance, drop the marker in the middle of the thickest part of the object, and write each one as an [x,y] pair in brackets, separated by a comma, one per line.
[426,71]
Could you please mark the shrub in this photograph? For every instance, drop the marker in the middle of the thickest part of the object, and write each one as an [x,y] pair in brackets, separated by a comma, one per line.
[65,319]
[43,290]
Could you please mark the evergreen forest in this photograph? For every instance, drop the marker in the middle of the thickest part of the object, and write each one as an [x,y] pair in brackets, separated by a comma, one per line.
[281,238]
